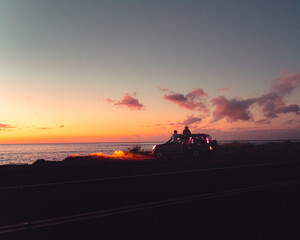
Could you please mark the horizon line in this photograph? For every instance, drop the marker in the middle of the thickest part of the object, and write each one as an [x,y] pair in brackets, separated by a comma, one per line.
[222,140]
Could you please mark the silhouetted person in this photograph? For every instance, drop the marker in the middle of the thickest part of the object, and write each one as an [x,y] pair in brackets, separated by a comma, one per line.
[174,137]
[186,133]
[185,138]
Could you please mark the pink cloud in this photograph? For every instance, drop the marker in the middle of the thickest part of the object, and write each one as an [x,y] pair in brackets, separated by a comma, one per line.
[5,126]
[238,109]
[191,120]
[130,102]
[271,104]
[194,100]
[109,100]
[224,89]
[286,83]
[264,121]
[233,109]
[292,121]
[197,93]
[163,89]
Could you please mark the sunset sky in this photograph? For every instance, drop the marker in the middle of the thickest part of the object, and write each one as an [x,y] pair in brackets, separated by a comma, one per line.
[92,71]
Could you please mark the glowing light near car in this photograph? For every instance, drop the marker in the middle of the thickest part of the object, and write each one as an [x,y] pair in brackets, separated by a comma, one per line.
[207,140]
[118,154]
[210,148]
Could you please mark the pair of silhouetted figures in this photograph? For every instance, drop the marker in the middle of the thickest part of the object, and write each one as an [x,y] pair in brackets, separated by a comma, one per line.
[184,138]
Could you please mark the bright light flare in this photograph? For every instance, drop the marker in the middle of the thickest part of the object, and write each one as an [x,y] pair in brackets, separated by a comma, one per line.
[118,154]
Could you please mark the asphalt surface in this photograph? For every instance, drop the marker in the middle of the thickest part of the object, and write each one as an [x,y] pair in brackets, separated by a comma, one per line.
[240,201]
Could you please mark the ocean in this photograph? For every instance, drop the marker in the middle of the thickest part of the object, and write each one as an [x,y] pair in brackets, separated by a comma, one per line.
[29,153]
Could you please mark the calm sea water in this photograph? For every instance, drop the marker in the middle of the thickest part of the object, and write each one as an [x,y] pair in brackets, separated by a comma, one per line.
[29,153]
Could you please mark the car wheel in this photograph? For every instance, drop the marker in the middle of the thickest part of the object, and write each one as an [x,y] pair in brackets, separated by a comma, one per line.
[159,155]
[196,154]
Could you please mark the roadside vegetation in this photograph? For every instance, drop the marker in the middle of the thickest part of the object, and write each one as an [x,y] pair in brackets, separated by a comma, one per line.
[268,151]
[235,151]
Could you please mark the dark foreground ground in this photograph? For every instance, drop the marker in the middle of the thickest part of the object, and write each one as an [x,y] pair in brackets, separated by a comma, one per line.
[241,192]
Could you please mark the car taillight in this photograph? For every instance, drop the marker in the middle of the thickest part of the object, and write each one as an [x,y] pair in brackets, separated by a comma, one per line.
[153,147]
[207,140]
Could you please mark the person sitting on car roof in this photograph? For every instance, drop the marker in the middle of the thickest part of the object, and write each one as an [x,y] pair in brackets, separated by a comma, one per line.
[185,138]
[174,137]
[186,133]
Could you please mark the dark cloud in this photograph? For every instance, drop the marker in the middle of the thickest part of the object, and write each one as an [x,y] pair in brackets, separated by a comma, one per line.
[286,83]
[194,100]
[292,121]
[5,126]
[233,109]
[264,121]
[191,120]
[197,93]
[271,104]
[128,101]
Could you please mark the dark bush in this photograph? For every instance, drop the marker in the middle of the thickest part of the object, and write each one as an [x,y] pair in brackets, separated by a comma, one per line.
[135,149]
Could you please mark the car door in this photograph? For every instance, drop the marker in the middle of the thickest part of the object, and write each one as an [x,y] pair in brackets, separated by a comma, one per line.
[174,148]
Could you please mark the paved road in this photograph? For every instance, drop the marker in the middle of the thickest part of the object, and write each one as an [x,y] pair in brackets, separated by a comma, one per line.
[254,201]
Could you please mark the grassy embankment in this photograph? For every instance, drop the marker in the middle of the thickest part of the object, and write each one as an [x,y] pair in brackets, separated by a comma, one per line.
[280,151]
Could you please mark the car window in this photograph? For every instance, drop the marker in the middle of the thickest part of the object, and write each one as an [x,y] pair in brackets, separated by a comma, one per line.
[200,138]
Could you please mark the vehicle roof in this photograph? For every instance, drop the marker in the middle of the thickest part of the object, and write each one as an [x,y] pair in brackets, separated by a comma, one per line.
[203,134]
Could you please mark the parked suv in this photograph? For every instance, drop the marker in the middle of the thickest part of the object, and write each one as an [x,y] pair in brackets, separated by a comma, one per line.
[196,146]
